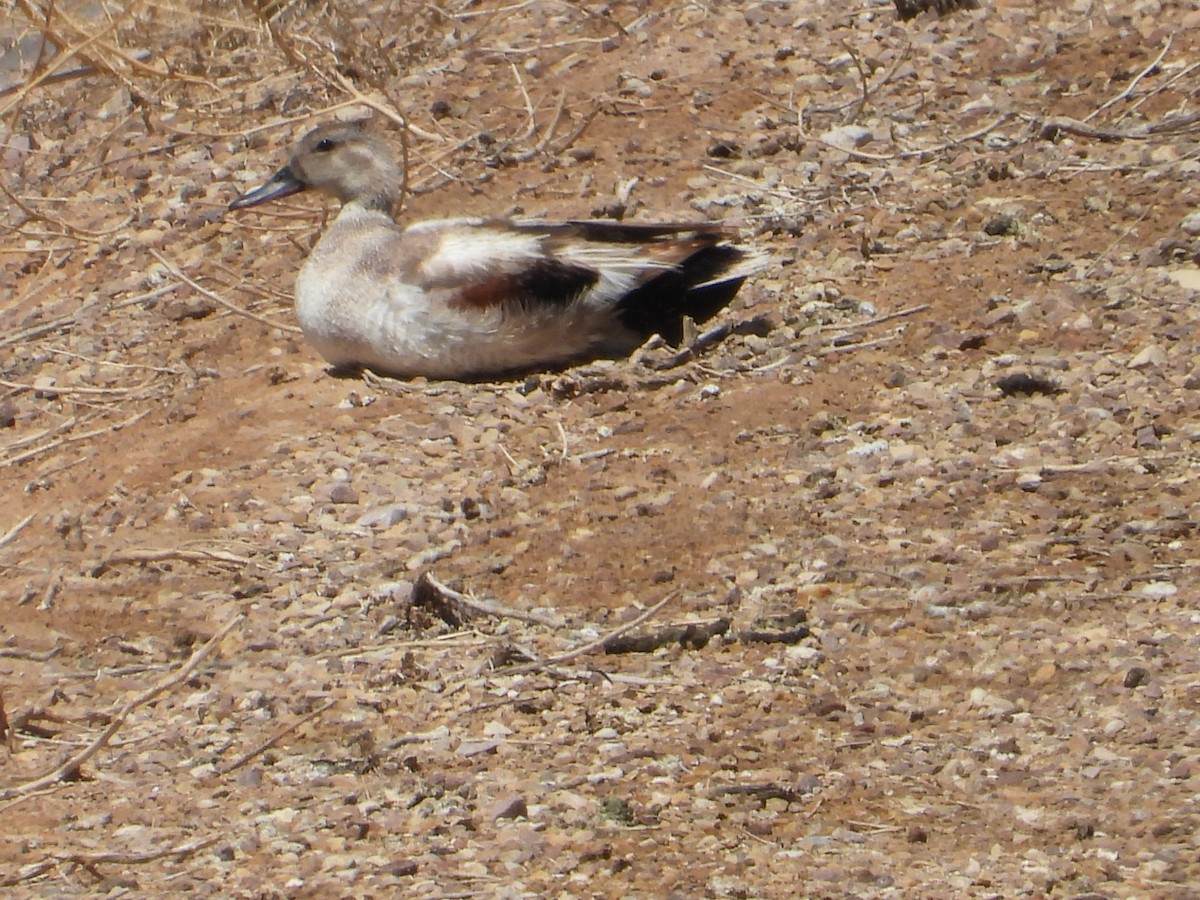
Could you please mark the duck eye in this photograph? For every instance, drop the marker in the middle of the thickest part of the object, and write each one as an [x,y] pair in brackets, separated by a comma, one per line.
[324,145]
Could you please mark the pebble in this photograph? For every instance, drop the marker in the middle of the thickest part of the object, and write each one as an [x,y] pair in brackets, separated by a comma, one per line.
[1151,355]
[510,806]
[847,136]
[1136,677]
[1159,590]
[341,492]
[399,868]
[383,517]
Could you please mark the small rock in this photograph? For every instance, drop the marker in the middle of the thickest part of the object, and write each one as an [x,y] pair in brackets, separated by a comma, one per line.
[865,451]
[723,150]
[512,806]
[1044,674]
[1146,438]
[1152,355]
[847,136]
[179,309]
[1001,226]
[341,492]
[8,414]
[1191,223]
[916,835]
[469,748]
[43,387]
[1136,677]
[1159,590]
[399,868]
[616,810]
[383,517]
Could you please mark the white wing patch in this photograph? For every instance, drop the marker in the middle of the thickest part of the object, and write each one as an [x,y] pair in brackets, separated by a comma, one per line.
[465,254]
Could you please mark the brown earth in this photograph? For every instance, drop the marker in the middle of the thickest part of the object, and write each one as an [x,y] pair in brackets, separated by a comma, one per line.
[998,693]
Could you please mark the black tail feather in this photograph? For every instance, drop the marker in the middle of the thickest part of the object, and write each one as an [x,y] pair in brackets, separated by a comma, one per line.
[694,289]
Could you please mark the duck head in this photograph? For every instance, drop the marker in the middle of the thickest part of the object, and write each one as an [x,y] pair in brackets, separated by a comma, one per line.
[344,161]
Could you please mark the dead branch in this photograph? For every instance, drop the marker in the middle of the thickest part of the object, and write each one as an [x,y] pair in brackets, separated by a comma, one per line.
[277,737]
[10,535]
[1053,128]
[69,74]
[133,859]
[909,9]
[31,655]
[689,635]
[864,84]
[67,391]
[483,607]
[217,298]
[154,555]
[69,769]
[67,229]
[1133,83]
[28,873]
[73,438]
[878,320]
[590,646]
[762,791]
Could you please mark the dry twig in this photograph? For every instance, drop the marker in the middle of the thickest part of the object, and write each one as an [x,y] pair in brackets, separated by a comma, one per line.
[1134,82]
[11,534]
[69,769]
[217,298]
[487,607]
[277,737]
[155,555]
[597,644]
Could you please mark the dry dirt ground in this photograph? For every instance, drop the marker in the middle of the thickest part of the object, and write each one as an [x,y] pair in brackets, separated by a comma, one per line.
[954,427]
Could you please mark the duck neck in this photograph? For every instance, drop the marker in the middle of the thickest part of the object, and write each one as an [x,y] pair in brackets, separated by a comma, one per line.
[381,201]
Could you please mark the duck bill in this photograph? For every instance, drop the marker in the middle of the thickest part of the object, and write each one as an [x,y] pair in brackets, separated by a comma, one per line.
[282,184]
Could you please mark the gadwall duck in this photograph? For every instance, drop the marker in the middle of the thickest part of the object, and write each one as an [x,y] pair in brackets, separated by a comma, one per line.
[469,298]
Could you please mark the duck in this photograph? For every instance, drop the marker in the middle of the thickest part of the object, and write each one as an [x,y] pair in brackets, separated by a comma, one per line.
[474,298]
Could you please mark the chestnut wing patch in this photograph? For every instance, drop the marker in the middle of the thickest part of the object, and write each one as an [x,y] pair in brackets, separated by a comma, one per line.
[539,283]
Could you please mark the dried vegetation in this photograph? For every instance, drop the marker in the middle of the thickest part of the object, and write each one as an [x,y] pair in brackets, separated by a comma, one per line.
[884,587]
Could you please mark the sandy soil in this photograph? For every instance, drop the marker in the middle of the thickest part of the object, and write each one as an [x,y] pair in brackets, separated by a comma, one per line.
[963,453]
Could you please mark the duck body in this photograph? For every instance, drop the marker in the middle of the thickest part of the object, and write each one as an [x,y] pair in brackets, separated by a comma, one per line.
[469,298]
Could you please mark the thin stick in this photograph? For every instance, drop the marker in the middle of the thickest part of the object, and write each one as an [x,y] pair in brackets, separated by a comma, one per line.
[531,125]
[550,129]
[133,859]
[31,655]
[28,873]
[68,74]
[67,391]
[71,767]
[68,230]
[279,736]
[216,298]
[58,442]
[488,608]
[1187,70]
[863,84]
[60,59]
[917,154]
[590,645]
[45,328]
[861,345]
[11,534]
[143,556]
[1129,88]
[898,314]
[394,114]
